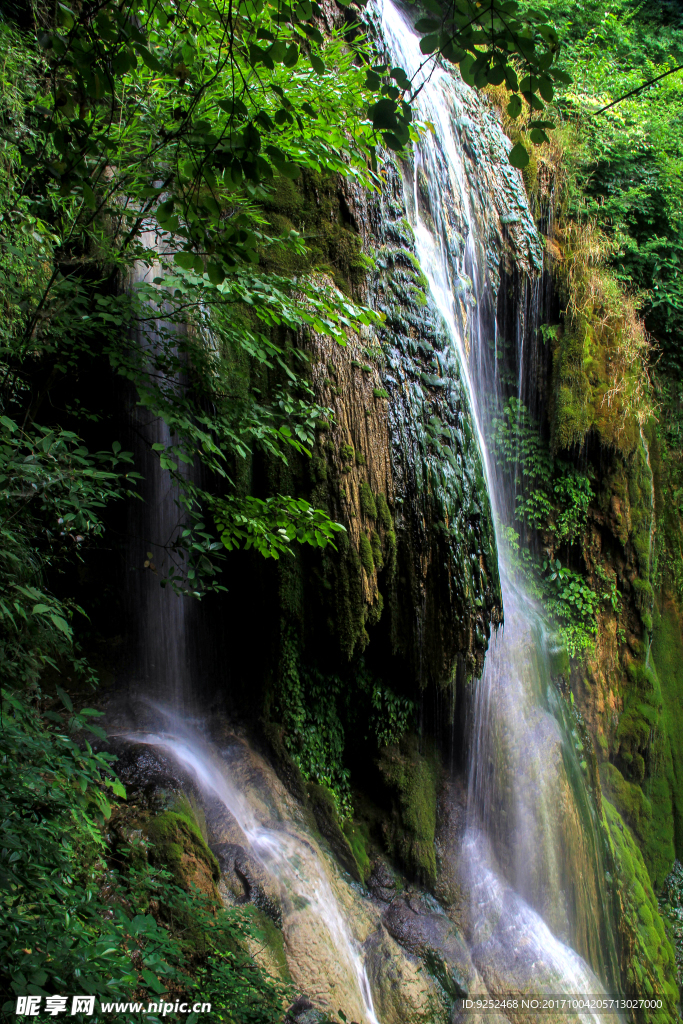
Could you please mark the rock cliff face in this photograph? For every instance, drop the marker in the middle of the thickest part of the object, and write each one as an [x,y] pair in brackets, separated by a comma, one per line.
[402,463]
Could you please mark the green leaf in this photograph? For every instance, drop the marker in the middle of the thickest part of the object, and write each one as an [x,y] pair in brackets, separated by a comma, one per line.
[185,260]
[65,698]
[427,25]
[289,169]
[216,273]
[561,76]
[61,624]
[317,64]
[148,57]
[96,730]
[383,114]
[496,75]
[393,141]
[518,156]
[164,210]
[290,59]
[514,107]
[430,43]
[537,136]
[545,87]
[89,196]
[153,981]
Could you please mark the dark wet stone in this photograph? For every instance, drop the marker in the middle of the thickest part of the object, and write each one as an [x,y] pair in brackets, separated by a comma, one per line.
[146,771]
[302,1011]
[435,939]
[382,883]
[247,879]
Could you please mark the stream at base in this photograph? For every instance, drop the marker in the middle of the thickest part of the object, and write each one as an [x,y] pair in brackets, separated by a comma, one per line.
[532,852]
[292,858]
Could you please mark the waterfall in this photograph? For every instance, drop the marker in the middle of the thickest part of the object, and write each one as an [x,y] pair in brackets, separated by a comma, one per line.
[532,856]
[160,661]
[162,681]
[289,855]
[532,849]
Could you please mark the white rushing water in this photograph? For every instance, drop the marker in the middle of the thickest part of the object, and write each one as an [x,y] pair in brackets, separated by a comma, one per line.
[288,857]
[532,858]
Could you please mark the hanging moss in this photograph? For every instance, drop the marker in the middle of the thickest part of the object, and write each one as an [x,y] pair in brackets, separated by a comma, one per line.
[375,610]
[376,546]
[311,206]
[383,511]
[367,501]
[349,623]
[366,557]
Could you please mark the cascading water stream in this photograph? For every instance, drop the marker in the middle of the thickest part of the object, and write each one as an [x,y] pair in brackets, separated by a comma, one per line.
[286,855]
[161,670]
[161,660]
[532,854]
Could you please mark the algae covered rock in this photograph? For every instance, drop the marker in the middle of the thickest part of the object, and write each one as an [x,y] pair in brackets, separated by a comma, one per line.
[347,840]
[179,845]
[412,777]
[435,939]
[647,953]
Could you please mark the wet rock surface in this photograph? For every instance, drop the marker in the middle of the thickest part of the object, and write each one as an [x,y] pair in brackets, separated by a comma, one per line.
[431,935]
[382,882]
[247,879]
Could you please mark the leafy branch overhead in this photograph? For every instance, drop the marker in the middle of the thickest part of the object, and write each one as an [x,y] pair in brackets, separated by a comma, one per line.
[499,42]
[148,134]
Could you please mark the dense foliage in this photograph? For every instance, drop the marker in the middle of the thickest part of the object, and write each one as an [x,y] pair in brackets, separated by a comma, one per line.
[82,914]
[628,150]
[552,500]
[94,157]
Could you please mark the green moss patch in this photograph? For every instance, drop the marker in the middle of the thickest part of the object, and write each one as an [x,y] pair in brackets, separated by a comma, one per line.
[650,966]
[348,843]
[367,501]
[366,556]
[412,778]
[667,651]
[383,511]
[179,845]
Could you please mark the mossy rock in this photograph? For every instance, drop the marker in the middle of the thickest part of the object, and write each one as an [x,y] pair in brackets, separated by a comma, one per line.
[179,845]
[366,556]
[367,501]
[270,937]
[412,777]
[648,966]
[348,842]
[383,511]
[628,798]
[667,652]
[286,768]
